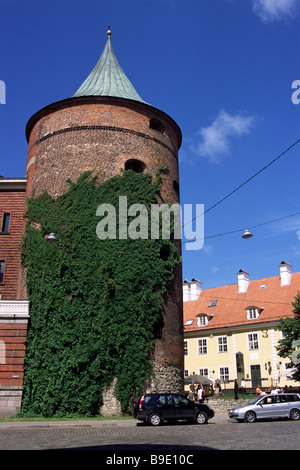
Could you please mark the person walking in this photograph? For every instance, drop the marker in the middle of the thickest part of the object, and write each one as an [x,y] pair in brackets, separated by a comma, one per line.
[201,394]
[243,386]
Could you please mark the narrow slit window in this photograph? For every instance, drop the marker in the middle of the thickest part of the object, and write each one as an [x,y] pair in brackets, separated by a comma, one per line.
[5,222]
[2,266]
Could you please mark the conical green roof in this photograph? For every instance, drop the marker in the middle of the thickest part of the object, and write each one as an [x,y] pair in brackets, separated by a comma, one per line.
[107,78]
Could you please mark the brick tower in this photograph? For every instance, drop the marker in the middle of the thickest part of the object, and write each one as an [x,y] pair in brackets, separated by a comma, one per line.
[107,126]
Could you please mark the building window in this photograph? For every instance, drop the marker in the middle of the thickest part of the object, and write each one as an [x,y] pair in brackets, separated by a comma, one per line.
[5,222]
[252,313]
[224,374]
[202,320]
[213,303]
[203,371]
[2,266]
[176,187]
[186,373]
[135,165]
[156,125]
[253,344]
[188,323]
[186,348]
[202,346]
[222,344]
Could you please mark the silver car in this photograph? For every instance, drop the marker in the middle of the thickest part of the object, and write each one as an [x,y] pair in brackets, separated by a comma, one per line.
[282,405]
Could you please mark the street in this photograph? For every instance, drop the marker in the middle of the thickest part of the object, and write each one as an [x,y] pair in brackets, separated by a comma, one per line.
[130,435]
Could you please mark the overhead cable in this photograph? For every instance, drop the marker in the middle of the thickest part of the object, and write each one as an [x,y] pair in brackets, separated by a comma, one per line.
[245,182]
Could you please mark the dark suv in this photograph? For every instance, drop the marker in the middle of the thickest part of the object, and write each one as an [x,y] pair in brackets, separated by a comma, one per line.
[153,408]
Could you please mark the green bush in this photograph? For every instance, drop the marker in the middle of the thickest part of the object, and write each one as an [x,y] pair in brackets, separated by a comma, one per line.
[94,304]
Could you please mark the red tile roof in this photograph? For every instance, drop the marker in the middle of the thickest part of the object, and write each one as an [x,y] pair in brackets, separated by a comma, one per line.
[231,308]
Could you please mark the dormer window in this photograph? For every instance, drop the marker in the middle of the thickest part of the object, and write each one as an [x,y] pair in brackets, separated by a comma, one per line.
[202,319]
[253,313]
[213,303]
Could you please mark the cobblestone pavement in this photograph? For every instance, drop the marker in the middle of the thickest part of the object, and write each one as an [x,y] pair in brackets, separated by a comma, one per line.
[218,434]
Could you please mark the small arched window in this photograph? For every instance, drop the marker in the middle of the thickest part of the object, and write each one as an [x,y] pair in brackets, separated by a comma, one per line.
[156,125]
[135,165]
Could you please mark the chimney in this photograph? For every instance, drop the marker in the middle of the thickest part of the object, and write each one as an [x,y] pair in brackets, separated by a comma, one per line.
[186,291]
[285,273]
[195,289]
[191,290]
[243,281]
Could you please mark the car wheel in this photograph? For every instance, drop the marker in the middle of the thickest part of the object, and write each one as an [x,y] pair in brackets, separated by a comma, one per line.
[201,418]
[155,419]
[294,414]
[250,417]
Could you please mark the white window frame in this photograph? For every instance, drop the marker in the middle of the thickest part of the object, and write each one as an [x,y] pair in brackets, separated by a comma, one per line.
[223,375]
[252,341]
[252,313]
[223,347]
[203,371]
[202,346]
[186,347]
[202,320]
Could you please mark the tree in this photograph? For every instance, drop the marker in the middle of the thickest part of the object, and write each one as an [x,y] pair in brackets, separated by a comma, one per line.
[290,344]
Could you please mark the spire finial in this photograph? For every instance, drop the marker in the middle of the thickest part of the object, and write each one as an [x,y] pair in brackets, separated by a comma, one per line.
[109,31]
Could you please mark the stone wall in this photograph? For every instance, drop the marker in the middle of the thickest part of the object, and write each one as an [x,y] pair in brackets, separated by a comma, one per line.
[222,405]
[111,406]
[10,400]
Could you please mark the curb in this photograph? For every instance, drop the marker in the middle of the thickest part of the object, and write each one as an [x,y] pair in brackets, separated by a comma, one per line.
[100,423]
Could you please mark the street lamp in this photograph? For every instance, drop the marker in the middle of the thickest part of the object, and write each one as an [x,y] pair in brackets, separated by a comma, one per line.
[52,238]
[247,234]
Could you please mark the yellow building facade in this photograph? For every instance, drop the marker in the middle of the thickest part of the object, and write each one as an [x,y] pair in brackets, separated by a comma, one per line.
[230,332]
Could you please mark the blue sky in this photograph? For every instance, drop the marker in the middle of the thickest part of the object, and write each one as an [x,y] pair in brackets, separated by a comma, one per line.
[222,69]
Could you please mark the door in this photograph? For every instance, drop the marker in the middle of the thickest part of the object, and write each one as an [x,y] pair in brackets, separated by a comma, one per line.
[166,406]
[281,405]
[185,409]
[266,408]
[255,375]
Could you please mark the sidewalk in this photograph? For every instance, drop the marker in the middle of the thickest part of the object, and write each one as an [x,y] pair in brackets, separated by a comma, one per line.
[88,423]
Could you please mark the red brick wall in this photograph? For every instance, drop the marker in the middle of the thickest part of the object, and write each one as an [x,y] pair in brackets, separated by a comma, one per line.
[72,136]
[78,134]
[13,335]
[12,202]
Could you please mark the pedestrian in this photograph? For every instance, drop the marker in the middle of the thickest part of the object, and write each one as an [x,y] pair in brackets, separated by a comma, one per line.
[201,394]
[218,387]
[193,390]
[243,386]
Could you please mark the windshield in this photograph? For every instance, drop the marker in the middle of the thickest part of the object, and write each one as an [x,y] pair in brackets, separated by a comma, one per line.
[255,401]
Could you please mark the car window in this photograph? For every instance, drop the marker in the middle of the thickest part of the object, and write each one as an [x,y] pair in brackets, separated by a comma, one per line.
[283,398]
[295,398]
[149,399]
[266,401]
[180,400]
[165,400]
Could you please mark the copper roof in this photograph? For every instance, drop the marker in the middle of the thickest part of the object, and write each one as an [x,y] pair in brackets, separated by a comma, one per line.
[107,78]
